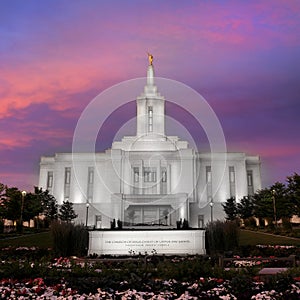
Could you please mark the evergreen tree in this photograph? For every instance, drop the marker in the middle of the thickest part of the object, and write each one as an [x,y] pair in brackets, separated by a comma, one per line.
[293,192]
[283,206]
[273,203]
[11,202]
[51,210]
[2,200]
[2,207]
[263,204]
[66,212]
[230,209]
[48,203]
[245,208]
[31,207]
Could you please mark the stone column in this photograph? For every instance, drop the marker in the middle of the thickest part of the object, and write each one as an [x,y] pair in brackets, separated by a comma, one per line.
[141,181]
[158,177]
[127,179]
[169,178]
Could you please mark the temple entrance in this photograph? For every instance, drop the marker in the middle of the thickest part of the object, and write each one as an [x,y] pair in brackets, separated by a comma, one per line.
[150,215]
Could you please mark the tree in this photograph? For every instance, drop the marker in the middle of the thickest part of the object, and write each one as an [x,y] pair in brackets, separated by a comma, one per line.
[245,208]
[263,205]
[2,200]
[13,207]
[32,207]
[12,200]
[272,203]
[48,203]
[2,207]
[230,209]
[293,192]
[66,212]
[283,206]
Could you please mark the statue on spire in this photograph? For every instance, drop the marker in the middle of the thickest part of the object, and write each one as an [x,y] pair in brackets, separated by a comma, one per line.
[150,59]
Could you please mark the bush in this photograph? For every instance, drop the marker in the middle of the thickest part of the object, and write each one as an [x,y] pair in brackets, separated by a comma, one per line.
[286,224]
[250,223]
[19,226]
[242,286]
[69,239]
[222,236]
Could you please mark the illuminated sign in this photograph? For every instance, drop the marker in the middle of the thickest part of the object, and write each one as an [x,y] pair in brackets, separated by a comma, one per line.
[147,242]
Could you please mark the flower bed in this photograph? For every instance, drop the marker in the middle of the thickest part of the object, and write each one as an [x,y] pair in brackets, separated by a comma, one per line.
[210,288]
[27,275]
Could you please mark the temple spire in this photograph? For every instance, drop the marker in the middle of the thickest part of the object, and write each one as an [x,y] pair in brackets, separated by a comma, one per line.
[150,76]
[150,88]
[150,108]
[150,59]
[150,71]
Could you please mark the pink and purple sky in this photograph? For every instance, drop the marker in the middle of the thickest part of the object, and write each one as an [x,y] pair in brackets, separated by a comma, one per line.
[56,56]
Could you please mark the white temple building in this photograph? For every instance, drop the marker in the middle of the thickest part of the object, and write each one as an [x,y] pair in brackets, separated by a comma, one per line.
[150,178]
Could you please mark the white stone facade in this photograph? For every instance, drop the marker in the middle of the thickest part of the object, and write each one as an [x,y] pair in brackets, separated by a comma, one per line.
[150,178]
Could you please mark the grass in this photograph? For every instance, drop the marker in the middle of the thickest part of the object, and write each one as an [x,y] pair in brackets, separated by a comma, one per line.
[260,238]
[41,240]
[44,240]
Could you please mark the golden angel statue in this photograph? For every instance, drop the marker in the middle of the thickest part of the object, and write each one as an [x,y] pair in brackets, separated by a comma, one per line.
[150,58]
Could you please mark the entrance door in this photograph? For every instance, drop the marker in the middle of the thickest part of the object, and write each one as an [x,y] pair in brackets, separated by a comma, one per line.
[200,221]
[148,214]
[98,221]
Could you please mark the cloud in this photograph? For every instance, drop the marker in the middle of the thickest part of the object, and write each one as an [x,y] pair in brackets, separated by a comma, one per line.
[35,122]
[55,57]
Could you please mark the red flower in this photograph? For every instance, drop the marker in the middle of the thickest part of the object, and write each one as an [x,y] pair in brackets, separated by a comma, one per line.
[297,278]
[38,281]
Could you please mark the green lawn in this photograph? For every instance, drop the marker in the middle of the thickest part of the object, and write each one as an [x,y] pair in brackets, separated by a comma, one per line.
[44,240]
[260,238]
[41,240]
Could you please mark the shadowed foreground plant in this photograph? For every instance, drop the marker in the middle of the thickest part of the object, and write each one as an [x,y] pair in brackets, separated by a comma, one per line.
[69,239]
[222,236]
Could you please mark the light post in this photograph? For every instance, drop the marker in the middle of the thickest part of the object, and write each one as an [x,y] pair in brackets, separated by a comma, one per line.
[274,206]
[87,214]
[23,193]
[211,204]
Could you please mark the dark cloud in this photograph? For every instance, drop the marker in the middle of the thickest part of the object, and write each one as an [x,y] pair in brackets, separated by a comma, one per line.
[56,56]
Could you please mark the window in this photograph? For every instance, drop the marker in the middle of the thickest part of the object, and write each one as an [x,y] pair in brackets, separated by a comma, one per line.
[232,182]
[49,180]
[208,184]
[231,174]
[67,183]
[90,186]
[67,175]
[250,182]
[91,175]
[164,176]
[250,178]
[136,174]
[208,174]
[149,174]
[163,179]
[150,118]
